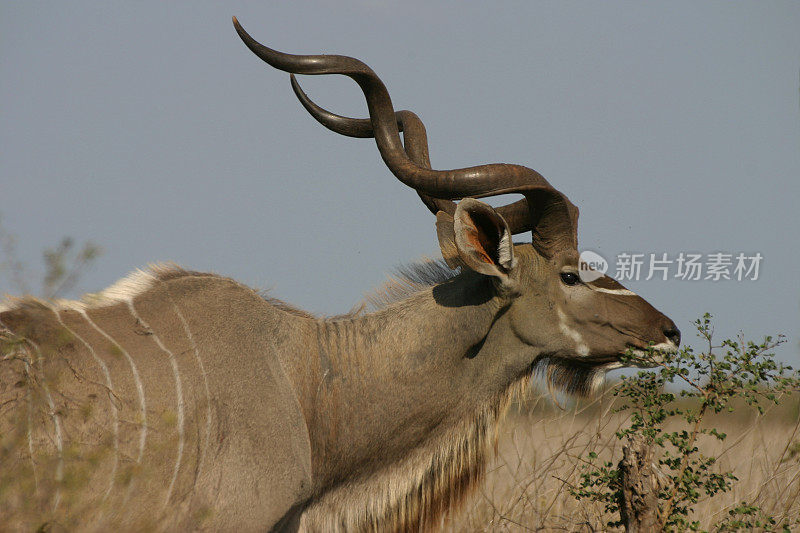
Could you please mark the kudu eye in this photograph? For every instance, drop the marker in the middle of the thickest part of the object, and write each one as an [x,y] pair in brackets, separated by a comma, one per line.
[570,278]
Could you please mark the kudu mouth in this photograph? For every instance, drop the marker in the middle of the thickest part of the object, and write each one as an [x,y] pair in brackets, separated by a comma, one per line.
[650,356]
[584,375]
[639,355]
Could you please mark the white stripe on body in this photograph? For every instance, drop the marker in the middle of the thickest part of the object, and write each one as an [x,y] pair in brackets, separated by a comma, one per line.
[207,438]
[56,424]
[179,394]
[26,362]
[136,379]
[110,387]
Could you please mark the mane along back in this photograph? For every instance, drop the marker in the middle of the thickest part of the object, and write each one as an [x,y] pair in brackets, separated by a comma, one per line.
[408,280]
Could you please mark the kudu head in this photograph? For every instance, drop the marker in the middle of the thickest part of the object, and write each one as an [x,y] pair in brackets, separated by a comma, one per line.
[574,328]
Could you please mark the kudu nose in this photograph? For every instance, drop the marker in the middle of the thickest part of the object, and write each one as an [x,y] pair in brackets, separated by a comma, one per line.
[673,333]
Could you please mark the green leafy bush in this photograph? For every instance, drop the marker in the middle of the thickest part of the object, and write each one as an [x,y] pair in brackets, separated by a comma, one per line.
[669,426]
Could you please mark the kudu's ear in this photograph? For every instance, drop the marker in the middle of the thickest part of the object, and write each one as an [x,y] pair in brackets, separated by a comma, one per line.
[478,238]
[447,240]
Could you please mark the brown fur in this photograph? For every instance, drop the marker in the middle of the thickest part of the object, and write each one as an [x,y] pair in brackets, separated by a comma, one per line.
[400,403]
[379,421]
[416,493]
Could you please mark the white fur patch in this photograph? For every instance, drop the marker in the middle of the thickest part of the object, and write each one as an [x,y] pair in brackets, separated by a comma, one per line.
[663,347]
[666,347]
[10,303]
[581,348]
[123,291]
[600,376]
[598,379]
[506,251]
[620,292]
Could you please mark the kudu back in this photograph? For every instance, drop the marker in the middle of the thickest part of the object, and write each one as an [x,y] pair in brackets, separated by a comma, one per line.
[180,400]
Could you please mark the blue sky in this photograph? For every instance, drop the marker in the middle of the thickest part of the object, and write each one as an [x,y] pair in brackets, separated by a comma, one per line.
[151,130]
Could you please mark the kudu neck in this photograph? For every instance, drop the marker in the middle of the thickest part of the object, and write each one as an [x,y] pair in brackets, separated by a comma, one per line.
[378,386]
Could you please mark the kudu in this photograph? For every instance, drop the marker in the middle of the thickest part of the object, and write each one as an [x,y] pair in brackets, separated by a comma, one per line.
[178,400]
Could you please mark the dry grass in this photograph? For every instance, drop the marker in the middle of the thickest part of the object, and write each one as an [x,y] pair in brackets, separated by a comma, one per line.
[541,452]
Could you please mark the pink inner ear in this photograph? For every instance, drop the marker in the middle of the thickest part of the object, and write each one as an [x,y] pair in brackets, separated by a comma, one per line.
[478,241]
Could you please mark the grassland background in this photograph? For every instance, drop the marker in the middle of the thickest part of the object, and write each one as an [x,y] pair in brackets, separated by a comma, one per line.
[542,449]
